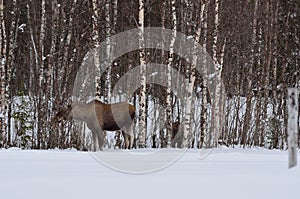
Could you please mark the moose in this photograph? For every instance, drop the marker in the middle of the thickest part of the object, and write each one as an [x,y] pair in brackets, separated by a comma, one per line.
[176,135]
[101,117]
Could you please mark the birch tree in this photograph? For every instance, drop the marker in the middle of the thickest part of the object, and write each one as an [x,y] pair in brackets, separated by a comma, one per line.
[268,53]
[169,75]
[190,85]
[41,107]
[162,137]
[217,101]
[142,94]
[275,63]
[98,71]
[9,62]
[250,74]
[54,38]
[203,120]
[3,100]
[108,27]
[50,68]
[293,126]
[41,45]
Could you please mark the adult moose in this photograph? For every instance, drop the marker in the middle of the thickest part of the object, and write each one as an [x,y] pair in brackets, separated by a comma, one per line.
[101,117]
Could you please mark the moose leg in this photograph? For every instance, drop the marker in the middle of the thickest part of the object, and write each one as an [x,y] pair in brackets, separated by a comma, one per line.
[131,136]
[131,139]
[126,140]
[94,136]
[128,137]
[101,137]
[173,143]
[98,137]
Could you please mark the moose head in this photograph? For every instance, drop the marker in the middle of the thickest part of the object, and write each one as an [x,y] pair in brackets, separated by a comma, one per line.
[64,113]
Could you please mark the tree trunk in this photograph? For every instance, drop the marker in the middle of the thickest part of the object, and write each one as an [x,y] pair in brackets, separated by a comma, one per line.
[50,89]
[217,96]
[96,57]
[190,85]
[169,114]
[108,50]
[268,59]
[10,58]
[275,61]
[249,86]
[293,126]
[203,120]
[41,65]
[142,95]
[3,99]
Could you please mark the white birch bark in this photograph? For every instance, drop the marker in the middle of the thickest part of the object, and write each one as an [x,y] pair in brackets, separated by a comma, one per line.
[12,40]
[268,54]
[115,16]
[9,64]
[169,77]
[67,43]
[162,137]
[41,60]
[215,33]
[3,101]
[204,121]
[96,53]
[55,18]
[34,61]
[41,45]
[39,57]
[293,126]
[51,64]
[142,97]
[108,50]
[96,57]
[69,32]
[34,47]
[217,104]
[190,87]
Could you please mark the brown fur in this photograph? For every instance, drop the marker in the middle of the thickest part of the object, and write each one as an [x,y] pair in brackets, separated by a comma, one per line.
[176,138]
[101,117]
[176,135]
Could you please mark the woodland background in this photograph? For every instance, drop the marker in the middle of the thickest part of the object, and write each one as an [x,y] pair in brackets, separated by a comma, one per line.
[254,43]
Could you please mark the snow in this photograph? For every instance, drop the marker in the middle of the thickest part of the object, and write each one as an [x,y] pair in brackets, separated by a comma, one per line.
[223,173]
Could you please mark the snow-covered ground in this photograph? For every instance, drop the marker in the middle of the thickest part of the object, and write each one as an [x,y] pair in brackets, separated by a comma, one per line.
[224,173]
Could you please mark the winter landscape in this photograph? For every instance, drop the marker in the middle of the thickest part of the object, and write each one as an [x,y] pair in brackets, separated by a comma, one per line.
[224,173]
[149,99]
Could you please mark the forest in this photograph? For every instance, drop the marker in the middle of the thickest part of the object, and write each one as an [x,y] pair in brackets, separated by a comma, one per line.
[253,46]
